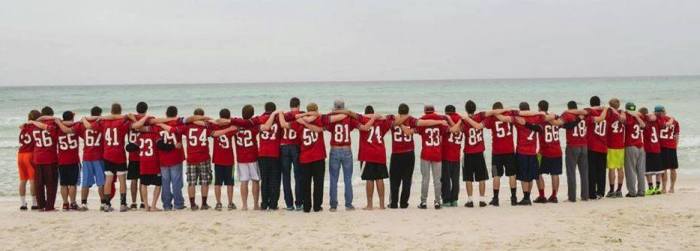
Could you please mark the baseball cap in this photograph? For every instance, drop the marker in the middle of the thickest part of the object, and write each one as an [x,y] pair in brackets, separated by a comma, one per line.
[659,108]
[630,106]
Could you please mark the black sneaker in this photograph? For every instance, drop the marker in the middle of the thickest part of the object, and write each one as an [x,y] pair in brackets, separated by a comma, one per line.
[540,200]
[205,207]
[552,199]
[494,202]
[393,206]
[422,206]
[23,208]
[610,194]
[618,194]
[218,207]
[525,202]
[403,206]
[35,208]
[133,206]
[482,204]
[194,207]
[142,206]
[437,205]
[469,204]
[513,201]
[630,195]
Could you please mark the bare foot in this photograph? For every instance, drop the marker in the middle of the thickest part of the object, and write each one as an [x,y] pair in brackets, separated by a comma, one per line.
[672,190]
[155,209]
[244,209]
[367,208]
[256,208]
[381,208]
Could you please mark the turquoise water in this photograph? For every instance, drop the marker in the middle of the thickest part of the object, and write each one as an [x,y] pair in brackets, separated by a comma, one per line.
[678,94]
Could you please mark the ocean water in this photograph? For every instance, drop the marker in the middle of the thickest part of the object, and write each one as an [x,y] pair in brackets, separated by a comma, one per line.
[680,96]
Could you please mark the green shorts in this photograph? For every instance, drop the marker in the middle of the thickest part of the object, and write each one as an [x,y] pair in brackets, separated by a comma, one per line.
[616,158]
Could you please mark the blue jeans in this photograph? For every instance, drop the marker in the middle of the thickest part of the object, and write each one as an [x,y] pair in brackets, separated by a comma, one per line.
[289,155]
[340,158]
[172,186]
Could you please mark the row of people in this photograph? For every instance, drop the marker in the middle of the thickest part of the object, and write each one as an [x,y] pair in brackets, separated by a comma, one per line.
[140,147]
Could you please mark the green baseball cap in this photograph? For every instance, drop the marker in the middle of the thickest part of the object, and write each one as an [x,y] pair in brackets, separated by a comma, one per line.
[630,106]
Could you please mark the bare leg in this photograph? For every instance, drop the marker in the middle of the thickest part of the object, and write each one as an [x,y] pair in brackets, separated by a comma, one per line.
[23,189]
[256,194]
[511,180]
[369,188]
[380,192]
[217,194]
[611,178]
[191,192]
[540,182]
[71,194]
[64,194]
[134,187]
[244,194]
[482,188]
[664,181]
[229,191]
[122,183]
[555,183]
[496,183]
[620,176]
[205,193]
[672,189]
[144,195]
[108,185]
[156,194]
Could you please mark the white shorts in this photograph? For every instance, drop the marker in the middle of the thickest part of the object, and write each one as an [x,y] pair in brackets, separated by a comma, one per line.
[248,171]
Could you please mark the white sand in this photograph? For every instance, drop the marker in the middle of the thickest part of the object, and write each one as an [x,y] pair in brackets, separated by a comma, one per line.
[670,222]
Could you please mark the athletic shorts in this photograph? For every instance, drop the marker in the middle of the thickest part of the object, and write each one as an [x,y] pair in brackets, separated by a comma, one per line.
[474,167]
[248,171]
[551,166]
[223,175]
[24,166]
[374,171]
[669,158]
[653,163]
[112,168]
[68,174]
[527,167]
[503,163]
[93,173]
[616,158]
[151,179]
[199,173]
[133,171]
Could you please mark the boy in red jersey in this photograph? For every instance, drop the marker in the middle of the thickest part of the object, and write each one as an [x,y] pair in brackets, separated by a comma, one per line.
[289,157]
[616,150]
[340,157]
[312,154]
[576,150]
[452,142]
[550,153]
[528,127]
[372,154]
[668,134]
[223,160]
[68,160]
[652,150]
[247,156]
[149,168]
[133,172]
[46,160]
[403,158]
[269,156]
[503,153]
[431,155]
[597,146]
[92,169]
[634,151]
[24,161]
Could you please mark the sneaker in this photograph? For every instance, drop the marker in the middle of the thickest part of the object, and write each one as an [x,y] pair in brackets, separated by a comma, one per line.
[494,202]
[132,206]
[469,204]
[205,207]
[231,206]
[318,209]
[350,208]
[34,208]
[650,191]
[102,207]
[275,208]
[618,194]
[640,195]
[83,207]
[333,209]
[65,207]
[194,207]
[455,204]
[630,195]
[422,206]
[167,209]
[610,194]
[540,199]
[300,208]
[657,192]
[393,206]
[403,206]
[108,209]
[142,206]
[437,205]
[290,208]
[218,207]
[552,199]
[525,202]
[513,201]
[23,208]
[73,206]
[123,208]
[482,204]
[180,208]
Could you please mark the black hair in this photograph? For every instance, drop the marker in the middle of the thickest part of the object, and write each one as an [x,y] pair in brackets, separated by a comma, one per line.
[247,111]
[403,109]
[141,107]
[524,106]
[543,105]
[33,115]
[270,107]
[95,111]
[369,109]
[116,108]
[225,113]
[47,111]
[68,116]
[294,102]
[572,105]
[470,106]
[171,111]
[595,101]
[497,105]
[450,108]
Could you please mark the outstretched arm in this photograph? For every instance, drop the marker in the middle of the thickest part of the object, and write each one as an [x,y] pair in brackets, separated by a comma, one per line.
[225,131]
[505,119]
[268,123]
[602,115]
[283,122]
[311,127]
[456,127]
[473,123]
[39,125]
[430,122]
[64,128]
[194,118]
[368,125]
[138,124]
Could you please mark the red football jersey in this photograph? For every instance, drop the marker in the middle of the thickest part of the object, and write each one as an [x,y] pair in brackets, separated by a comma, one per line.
[474,138]
[68,148]
[114,132]
[431,138]
[527,139]
[400,142]
[550,146]
[667,134]
[132,137]
[176,155]
[616,134]
[148,152]
[501,134]
[45,141]
[451,149]
[247,144]
[651,136]
[340,131]
[197,141]
[289,136]
[223,147]
[372,148]
[597,132]
[26,145]
[92,140]
[633,132]
[575,136]
[270,139]
[313,147]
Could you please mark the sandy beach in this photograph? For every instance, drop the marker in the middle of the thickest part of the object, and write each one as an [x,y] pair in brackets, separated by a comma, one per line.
[663,222]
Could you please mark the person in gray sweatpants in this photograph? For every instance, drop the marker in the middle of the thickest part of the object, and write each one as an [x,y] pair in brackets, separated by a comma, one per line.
[426,167]
[577,156]
[634,171]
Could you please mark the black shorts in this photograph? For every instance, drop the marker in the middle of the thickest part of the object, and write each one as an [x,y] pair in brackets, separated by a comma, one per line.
[133,172]
[503,163]
[551,166]
[669,158]
[223,175]
[474,168]
[151,180]
[114,168]
[527,167]
[653,163]
[68,174]
[374,171]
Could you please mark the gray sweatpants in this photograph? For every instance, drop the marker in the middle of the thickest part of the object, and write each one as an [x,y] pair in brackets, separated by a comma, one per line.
[425,168]
[577,156]
[635,169]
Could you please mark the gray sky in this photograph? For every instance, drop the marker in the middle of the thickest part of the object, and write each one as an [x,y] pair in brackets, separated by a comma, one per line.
[173,41]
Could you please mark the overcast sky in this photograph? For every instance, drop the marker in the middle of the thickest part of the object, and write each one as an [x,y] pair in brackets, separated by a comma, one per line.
[173,41]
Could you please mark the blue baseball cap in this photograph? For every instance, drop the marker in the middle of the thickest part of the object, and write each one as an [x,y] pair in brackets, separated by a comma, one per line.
[659,108]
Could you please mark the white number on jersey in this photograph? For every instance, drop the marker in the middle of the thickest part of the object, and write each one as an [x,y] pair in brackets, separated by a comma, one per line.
[90,139]
[374,132]
[66,142]
[580,129]
[111,137]
[289,134]
[637,132]
[25,138]
[42,138]
[501,129]
[667,132]
[194,140]
[341,133]
[654,135]
[433,136]
[270,134]
[146,145]
[616,127]
[551,133]
[600,128]
[475,136]
[310,137]
[244,138]
[399,136]
[224,142]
